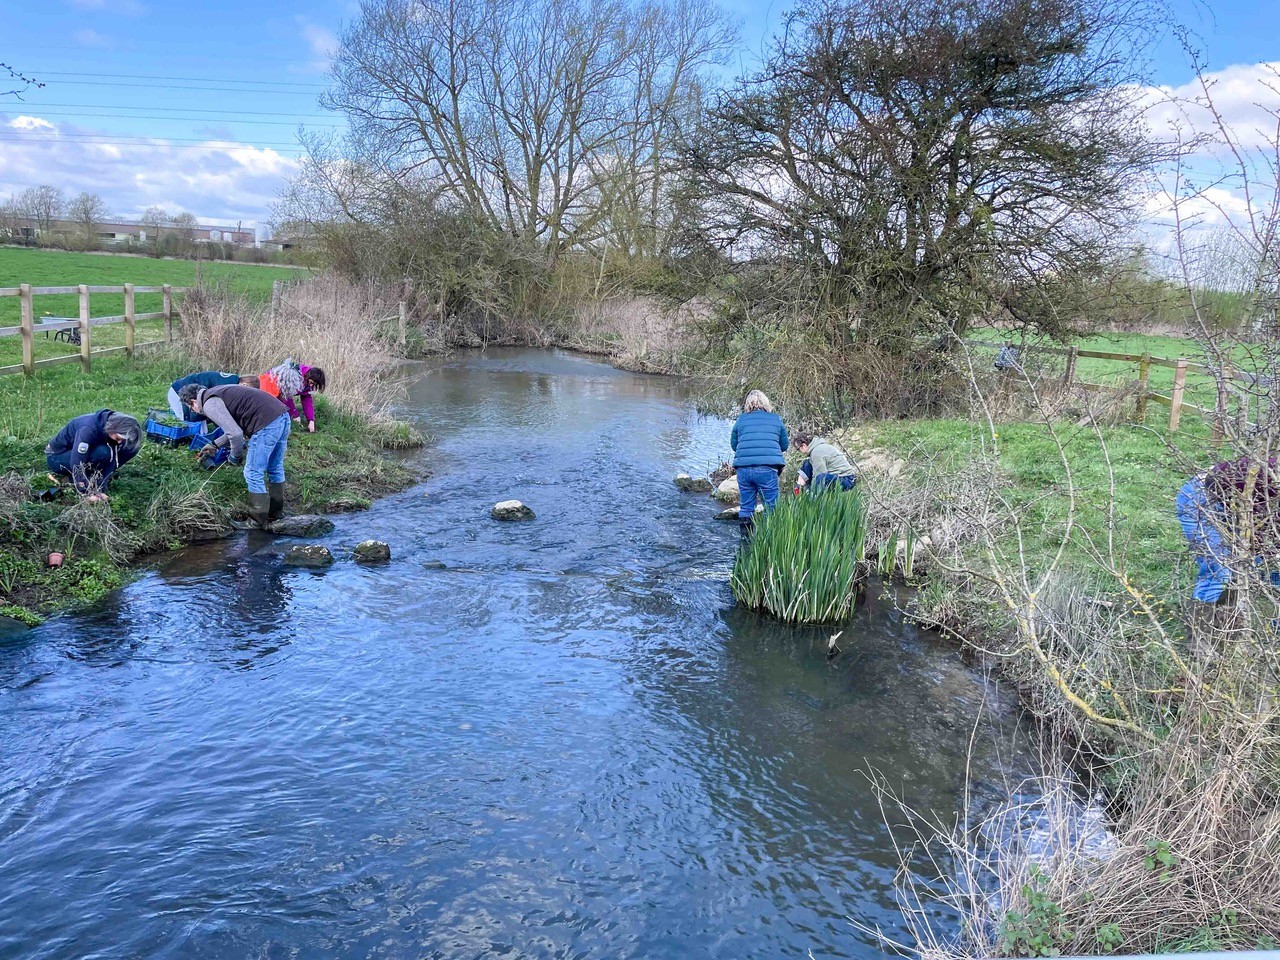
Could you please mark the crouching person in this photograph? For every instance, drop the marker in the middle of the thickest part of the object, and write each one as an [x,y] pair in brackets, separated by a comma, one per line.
[91,448]
[256,427]
[825,466]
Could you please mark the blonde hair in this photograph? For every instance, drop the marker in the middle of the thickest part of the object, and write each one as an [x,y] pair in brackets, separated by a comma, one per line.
[756,400]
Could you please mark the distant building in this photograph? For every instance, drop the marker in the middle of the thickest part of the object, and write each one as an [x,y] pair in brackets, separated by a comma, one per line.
[113,232]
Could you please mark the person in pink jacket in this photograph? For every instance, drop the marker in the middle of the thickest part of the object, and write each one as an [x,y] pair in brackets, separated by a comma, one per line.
[293,380]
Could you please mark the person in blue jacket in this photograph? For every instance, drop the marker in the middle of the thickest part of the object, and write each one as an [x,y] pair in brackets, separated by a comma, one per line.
[1202,506]
[205,378]
[759,439]
[91,448]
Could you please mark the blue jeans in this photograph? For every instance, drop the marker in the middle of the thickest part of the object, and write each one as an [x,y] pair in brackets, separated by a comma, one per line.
[753,482]
[92,475]
[264,459]
[822,479]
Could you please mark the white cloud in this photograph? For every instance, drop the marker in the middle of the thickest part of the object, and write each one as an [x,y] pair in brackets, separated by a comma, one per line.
[31,123]
[1245,96]
[322,43]
[216,180]
[129,8]
[92,38]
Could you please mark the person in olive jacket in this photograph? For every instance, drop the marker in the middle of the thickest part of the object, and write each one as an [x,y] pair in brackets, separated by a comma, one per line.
[256,427]
[759,438]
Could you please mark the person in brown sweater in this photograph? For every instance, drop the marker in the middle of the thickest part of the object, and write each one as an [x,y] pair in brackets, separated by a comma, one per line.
[256,427]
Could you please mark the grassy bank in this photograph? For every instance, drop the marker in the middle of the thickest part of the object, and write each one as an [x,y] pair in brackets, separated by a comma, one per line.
[160,499]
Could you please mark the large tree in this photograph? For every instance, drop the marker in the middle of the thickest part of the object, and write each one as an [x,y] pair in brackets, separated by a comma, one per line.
[933,160]
[550,120]
[87,211]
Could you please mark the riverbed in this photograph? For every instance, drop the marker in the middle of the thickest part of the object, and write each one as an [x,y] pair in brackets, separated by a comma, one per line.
[557,738]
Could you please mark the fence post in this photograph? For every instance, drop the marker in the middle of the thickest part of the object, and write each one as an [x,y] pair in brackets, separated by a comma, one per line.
[1144,379]
[130,319]
[168,313]
[28,331]
[1224,378]
[1071,365]
[277,291]
[1175,398]
[86,330]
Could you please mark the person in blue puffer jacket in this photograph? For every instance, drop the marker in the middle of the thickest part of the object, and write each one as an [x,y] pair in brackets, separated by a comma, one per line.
[91,448]
[759,439]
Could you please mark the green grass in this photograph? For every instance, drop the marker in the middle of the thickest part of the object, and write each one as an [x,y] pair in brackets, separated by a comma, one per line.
[55,268]
[342,463]
[1148,472]
[805,560]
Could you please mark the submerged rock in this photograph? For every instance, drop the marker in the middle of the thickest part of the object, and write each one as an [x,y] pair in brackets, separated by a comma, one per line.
[303,525]
[371,551]
[728,491]
[511,510]
[692,484]
[435,565]
[312,556]
[728,514]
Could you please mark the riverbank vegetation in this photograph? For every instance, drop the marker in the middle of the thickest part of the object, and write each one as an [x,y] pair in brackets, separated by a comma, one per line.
[162,498]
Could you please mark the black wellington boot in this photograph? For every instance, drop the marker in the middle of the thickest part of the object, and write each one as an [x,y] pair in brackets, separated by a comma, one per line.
[276,492]
[745,529]
[260,508]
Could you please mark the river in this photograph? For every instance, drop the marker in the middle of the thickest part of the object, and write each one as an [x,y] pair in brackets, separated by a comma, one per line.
[547,739]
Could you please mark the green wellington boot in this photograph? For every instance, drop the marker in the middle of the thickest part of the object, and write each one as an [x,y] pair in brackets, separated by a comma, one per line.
[276,492]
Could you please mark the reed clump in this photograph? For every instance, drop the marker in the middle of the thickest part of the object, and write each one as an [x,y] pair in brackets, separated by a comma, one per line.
[807,558]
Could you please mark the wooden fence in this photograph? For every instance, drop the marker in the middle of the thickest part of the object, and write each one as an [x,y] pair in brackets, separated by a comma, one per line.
[1175,400]
[85,324]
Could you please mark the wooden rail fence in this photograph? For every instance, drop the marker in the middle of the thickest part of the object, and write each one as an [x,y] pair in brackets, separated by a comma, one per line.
[1175,400]
[28,328]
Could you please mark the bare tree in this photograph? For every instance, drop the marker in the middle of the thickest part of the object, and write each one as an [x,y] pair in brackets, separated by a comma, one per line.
[18,82]
[41,206]
[155,219]
[522,113]
[87,210]
[184,225]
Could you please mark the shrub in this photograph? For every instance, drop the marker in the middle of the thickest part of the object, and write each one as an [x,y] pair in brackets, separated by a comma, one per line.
[806,559]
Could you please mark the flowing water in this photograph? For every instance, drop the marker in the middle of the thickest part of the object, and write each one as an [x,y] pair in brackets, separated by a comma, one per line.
[545,739]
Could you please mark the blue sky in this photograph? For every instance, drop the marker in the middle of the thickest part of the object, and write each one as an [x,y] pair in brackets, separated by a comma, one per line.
[195,106]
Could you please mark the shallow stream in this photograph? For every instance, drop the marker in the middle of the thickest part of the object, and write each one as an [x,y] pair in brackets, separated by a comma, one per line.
[546,739]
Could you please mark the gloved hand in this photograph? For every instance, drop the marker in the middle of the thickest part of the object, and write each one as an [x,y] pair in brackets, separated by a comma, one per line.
[235,461]
[207,451]
[311,426]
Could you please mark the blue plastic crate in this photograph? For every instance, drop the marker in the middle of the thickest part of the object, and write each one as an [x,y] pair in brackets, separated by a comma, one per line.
[166,433]
[219,458]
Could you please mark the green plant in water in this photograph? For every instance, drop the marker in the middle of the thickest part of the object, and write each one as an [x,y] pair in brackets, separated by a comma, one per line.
[803,563]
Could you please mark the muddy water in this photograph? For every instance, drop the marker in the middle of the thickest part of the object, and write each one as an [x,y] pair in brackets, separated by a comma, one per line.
[552,739]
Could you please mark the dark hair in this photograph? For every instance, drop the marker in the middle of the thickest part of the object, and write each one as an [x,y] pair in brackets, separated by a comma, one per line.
[314,379]
[803,438]
[189,393]
[125,426]
[254,382]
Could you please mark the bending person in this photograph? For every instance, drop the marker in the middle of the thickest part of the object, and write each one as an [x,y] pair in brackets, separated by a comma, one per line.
[260,421]
[205,378]
[91,448]
[291,381]
[826,464]
[759,439]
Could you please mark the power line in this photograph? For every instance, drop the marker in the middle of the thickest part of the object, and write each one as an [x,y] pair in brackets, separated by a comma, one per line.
[194,145]
[150,76]
[167,86]
[108,106]
[231,119]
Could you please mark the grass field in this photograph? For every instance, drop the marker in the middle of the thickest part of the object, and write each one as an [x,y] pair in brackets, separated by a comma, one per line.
[55,268]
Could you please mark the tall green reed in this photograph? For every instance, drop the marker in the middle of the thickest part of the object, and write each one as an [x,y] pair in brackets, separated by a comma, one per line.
[804,563]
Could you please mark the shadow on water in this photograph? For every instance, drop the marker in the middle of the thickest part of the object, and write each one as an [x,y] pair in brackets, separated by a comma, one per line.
[550,739]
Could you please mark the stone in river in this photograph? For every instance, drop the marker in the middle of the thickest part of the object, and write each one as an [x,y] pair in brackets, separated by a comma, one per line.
[312,556]
[728,491]
[693,484]
[729,514]
[303,525]
[371,551]
[511,510]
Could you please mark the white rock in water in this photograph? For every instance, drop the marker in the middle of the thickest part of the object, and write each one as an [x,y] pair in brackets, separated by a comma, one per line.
[511,510]
[728,491]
